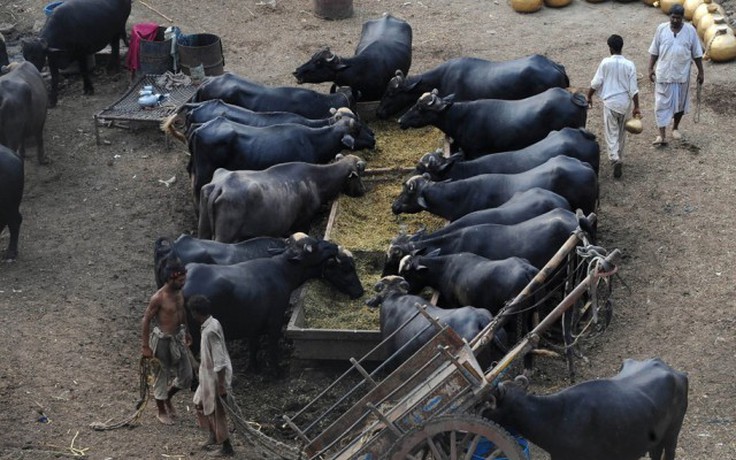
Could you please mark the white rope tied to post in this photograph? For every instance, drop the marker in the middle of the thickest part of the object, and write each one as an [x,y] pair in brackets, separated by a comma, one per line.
[596,257]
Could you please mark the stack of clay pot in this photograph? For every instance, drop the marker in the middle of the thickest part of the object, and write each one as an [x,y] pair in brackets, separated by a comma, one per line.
[709,18]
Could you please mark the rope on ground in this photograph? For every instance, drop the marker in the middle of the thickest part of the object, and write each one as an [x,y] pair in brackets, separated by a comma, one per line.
[269,447]
[146,367]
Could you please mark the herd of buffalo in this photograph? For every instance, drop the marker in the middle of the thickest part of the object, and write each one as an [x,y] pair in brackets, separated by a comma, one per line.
[264,161]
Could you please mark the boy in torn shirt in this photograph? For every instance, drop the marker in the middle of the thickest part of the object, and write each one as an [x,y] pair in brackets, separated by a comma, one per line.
[215,377]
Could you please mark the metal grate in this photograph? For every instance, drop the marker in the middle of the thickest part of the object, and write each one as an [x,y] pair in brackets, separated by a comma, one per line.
[127,108]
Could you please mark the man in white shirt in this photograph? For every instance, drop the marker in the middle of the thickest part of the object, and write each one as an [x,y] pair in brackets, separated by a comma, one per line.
[215,376]
[674,47]
[615,82]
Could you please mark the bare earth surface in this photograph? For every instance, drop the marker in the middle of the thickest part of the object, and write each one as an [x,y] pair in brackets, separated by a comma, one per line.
[72,303]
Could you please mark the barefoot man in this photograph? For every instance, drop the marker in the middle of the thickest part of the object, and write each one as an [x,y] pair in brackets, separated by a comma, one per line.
[168,341]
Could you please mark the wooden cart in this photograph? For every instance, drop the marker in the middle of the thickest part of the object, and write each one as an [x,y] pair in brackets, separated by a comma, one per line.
[430,406]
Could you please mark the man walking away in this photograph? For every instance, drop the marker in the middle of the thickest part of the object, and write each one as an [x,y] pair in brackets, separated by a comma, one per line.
[615,81]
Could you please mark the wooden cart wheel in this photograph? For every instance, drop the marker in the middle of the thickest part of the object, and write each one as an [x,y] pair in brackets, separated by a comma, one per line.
[453,437]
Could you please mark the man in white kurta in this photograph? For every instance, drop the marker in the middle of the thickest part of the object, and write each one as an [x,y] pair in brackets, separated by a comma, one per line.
[615,82]
[674,47]
[215,376]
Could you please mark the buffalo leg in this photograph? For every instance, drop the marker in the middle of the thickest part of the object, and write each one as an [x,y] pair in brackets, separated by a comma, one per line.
[54,69]
[114,64]
[253,354]
[85,71]
[40,153]
[14,227]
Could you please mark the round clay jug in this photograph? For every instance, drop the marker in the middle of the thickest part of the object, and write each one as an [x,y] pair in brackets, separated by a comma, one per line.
[723,46]
[719,22]
[665,5]
[707,7]
[526,6]
[690,6]
[557,3]
[706,21]
[633,125]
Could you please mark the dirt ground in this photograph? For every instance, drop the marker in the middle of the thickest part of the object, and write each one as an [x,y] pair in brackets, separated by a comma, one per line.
[72,303]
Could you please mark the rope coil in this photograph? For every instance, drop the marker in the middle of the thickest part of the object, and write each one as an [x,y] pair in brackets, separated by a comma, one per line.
[146,370]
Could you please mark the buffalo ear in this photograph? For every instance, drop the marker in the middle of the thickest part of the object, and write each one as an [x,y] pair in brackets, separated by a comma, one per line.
[422,202]
[348,141]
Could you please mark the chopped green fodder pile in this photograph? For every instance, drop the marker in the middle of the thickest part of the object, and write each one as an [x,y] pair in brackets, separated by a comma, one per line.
[366,226]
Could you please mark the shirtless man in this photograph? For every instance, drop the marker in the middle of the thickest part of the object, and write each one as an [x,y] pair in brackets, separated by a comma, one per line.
[168,341]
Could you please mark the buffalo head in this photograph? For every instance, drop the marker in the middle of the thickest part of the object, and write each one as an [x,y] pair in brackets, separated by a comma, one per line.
[357,135]
[436,164]
[411,200]
[340,272]
[388,286]
[34,51]
[502,401]
[353,182]
[427,110]
[400,94]
[322,66]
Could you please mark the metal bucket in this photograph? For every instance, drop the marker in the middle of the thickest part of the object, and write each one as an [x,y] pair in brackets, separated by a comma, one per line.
[201,49]
[333,9]
[155,55]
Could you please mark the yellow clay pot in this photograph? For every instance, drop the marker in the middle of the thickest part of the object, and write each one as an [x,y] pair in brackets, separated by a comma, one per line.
[690,6]
[526,6]
[707,7]
[723,46]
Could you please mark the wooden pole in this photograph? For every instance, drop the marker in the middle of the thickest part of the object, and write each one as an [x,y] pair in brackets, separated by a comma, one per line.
[155,10]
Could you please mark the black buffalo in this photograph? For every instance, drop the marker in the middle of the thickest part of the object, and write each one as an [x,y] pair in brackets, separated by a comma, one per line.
[468,279]
[251,298]
[221,143]
[495,125]
[384,48]
[186,249]
[237,90]
[472,78]
[76,29]
[277,201]
[405,330]
[11,193]
[520,207]
[23,105]
[199,113]
[568,177]
[535,240]
[574,142]
[638,411]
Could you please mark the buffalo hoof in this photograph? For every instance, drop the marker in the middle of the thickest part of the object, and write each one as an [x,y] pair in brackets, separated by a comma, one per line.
[89,92]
